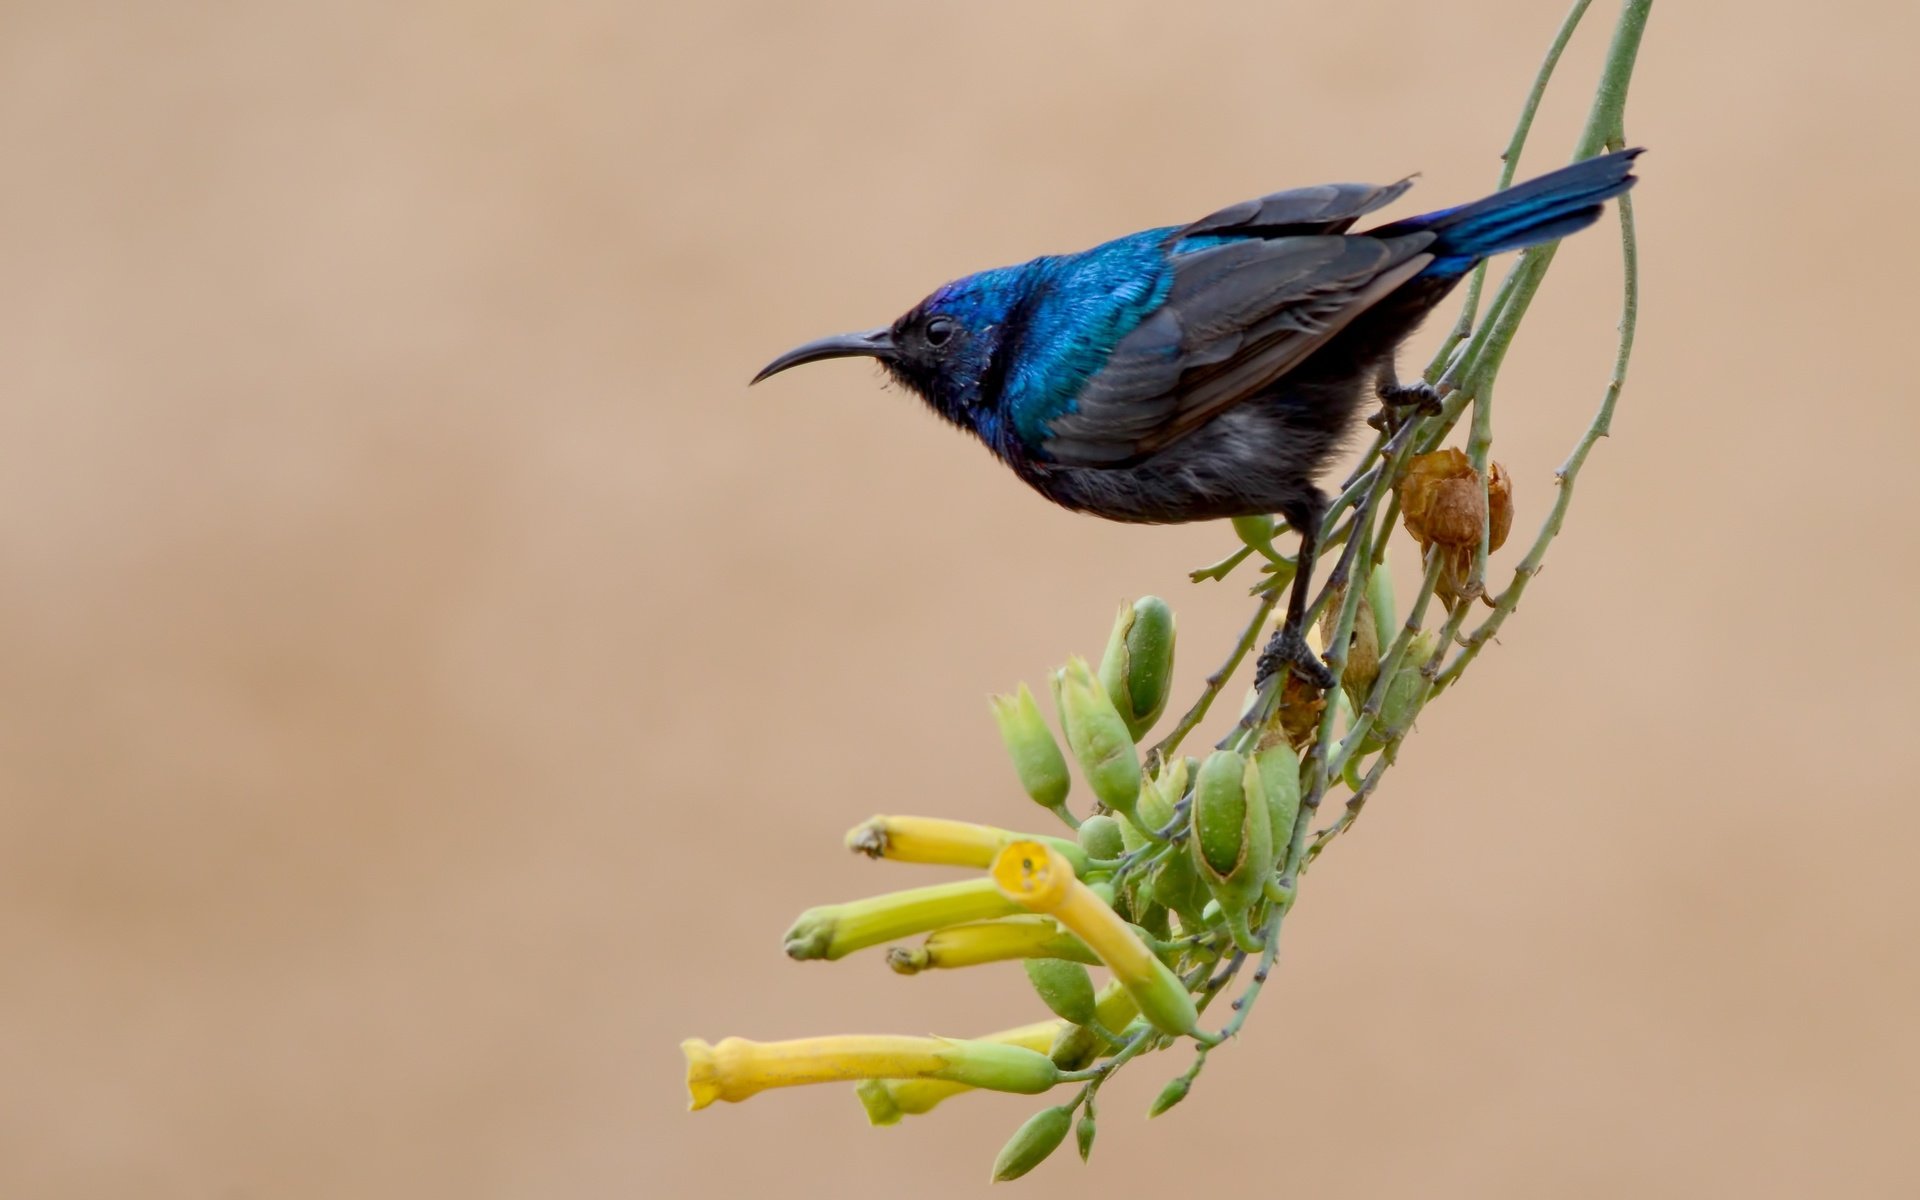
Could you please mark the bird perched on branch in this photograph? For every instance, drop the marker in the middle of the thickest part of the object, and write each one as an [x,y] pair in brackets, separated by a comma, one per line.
[1209,370]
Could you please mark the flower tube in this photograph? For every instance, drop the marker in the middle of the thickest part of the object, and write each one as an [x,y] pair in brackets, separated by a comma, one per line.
[1032,874]
[736,1068]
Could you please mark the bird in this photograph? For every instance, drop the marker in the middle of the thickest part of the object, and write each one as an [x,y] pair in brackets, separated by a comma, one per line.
[1210,370]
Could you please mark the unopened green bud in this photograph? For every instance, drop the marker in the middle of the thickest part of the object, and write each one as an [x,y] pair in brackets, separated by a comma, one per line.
[1170,1095]
[1074,1046]
[1232,838]
[1152,919]
[1032,1142]
[1065,988]
[1100,837]
[1174,885]
[1155,809]
[1280,779]
[1036,756]
[1380,602]
[1178,886]
[1137,669]
[1406,691]
[1083,1134]
[1099,738]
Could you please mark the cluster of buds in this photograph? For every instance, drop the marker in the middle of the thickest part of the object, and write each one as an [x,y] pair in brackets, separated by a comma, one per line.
[1446,506]
[1168,881]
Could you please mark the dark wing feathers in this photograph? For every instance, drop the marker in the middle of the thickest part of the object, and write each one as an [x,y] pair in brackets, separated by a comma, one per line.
[1328,208]
[1237,318]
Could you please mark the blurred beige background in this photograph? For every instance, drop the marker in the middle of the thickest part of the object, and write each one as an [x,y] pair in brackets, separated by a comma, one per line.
[430,681]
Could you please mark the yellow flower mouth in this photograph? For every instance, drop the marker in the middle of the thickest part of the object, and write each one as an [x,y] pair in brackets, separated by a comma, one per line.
[1033,875]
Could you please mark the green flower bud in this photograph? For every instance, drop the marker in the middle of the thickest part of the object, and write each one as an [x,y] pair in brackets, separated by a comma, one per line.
[1172,885]
[1170,1095]
[1100,837]
[1406,691]
[1083,1134]
[1280,779]
[1380,601]
[1036,756]
[1233,838]
[1155,809]
[1152,919]
[1099,738]
[1076,1045]
[1065,988]
[1137,669]
[1032,1142]
[1178,886]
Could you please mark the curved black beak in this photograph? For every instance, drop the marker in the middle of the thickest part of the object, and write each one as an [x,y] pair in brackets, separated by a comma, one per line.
[874,343]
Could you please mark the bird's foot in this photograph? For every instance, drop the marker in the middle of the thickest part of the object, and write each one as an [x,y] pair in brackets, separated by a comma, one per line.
[1398,401]
[1289,649]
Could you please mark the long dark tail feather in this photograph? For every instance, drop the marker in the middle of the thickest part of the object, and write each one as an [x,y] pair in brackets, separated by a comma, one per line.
[1539,210]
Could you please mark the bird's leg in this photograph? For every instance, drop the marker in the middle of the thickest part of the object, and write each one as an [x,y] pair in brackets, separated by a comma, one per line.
[1397,399]
[1289,647]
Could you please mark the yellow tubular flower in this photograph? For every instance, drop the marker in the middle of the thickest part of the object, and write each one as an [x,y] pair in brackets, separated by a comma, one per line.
[887,1100]
[951,843]
[1025,936]
[1033,875]
[737,1068]
[830,931]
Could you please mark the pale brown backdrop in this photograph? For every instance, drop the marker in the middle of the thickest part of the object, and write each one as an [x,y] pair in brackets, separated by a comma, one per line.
[430,680]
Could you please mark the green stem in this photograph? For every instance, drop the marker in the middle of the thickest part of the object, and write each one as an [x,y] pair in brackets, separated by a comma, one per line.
[1389,667]
[1601,426]
[1270,951]
[1193,716]
[1510,160]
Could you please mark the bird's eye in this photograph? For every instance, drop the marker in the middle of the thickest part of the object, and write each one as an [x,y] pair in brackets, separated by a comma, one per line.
[939,331]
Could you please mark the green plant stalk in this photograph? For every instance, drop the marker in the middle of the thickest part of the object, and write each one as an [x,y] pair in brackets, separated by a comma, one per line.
[1355,802]
[1510,161]
[1569,471]
[1339,643]
[1165,747]
[1605,129]
[1269,954]
[1389,666]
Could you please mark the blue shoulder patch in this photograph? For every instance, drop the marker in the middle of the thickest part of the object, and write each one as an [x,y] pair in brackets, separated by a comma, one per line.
[1086,303]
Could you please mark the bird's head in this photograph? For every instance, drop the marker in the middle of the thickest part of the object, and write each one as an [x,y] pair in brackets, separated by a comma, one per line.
[946,349]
